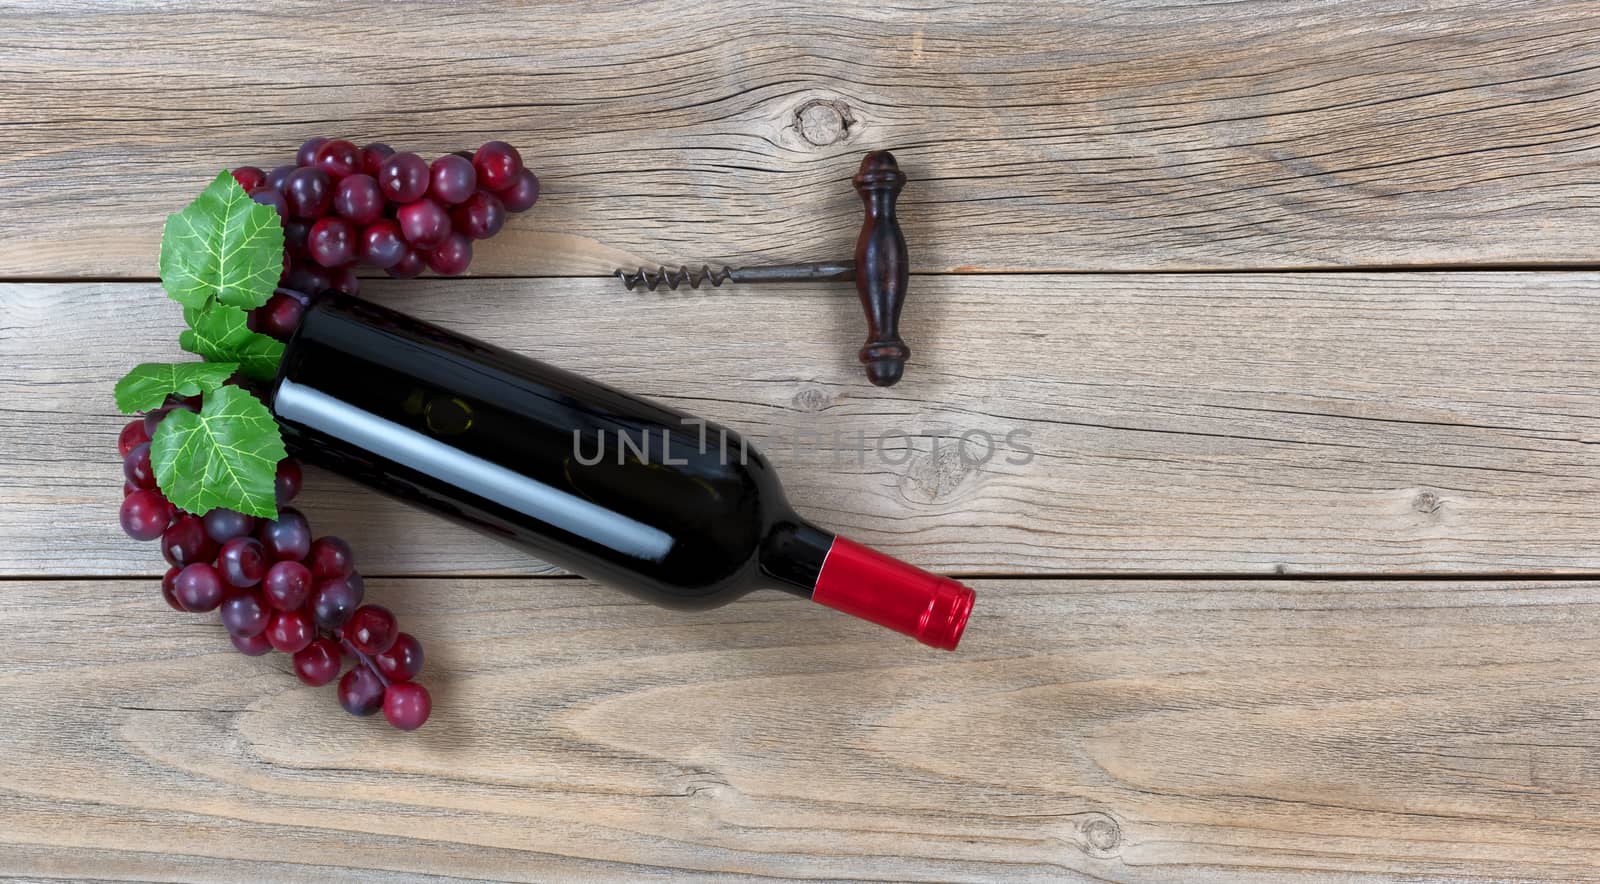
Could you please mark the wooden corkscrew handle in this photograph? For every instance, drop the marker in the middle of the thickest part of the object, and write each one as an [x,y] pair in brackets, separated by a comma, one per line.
[882,268]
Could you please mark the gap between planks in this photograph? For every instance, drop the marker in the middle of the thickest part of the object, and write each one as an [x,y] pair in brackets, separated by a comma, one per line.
[1362,269]
[1107,577]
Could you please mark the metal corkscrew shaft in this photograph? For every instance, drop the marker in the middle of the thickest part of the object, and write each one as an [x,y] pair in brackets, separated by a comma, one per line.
[880,269]
[672,278]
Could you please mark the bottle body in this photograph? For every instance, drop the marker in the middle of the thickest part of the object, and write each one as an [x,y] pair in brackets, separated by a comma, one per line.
[677,510]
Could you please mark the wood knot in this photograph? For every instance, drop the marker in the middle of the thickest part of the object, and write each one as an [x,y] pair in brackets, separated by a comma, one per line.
[1427,502]
[823,122]
[935,475]
[1101,835]
[812,398]
[699,782]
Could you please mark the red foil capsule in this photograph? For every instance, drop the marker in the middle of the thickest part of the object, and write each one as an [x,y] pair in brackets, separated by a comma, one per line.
[868,584]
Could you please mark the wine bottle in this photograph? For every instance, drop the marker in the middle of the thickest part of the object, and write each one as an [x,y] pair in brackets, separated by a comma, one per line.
[678,510]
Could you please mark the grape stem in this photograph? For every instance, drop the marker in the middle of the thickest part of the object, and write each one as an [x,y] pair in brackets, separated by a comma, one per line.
[364,659]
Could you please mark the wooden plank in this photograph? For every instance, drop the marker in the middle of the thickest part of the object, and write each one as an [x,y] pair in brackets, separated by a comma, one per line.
[1314,423]
[1097,135]
[1086,730]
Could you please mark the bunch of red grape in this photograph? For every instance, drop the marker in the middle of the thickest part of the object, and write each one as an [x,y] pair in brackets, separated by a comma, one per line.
[344,205]
[276,587]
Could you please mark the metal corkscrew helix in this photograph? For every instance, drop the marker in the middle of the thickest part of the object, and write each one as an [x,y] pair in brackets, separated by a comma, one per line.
[881,270]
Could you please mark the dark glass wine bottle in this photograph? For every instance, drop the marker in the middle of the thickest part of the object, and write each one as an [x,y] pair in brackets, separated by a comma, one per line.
[675,509]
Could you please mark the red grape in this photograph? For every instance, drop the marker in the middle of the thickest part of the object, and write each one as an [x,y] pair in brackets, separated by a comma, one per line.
[278,175]
[198,587]
[136,467]
[337,158]
[452,256]
[308,150]
[145,514]
[497,164]
[451,180]
[185,542]
[168,588]
[242,562]
[309,193]
[318,663]
[357,197]
[424,223]
[268,196]
[244,614]
[280,316]
[403,660]
[372,157]
[287,586]
[224,525]
[152,420]
[330,558]
[336,599]
[410,264]
[361,691]
[132,436]
[286,482]
[371,629]
[249,178]
[286,538]
[403,178]
[254,646]
[332,242]
[307,278]
[406,705]
[522,194]
[295,234]
[344,279]
[480,217]
[290,631]
[382,245]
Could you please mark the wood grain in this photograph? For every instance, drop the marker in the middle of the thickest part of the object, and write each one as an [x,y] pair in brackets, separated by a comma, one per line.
[1086,730]
[1323,423]
[1111,727]
[1099,135]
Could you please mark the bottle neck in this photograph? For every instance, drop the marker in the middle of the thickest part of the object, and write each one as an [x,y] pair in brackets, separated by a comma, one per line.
[846,576]
[793,554]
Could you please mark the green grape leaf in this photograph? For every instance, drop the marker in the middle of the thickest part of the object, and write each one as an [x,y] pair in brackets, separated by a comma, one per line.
[226,455]
[148,385]
[223,247]
[222,334]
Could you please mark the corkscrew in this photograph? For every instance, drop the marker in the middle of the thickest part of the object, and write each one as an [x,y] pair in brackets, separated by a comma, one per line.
[881,270]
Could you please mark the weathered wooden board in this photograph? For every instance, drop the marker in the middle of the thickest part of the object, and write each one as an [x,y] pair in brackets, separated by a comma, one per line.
[1043,136]
[1105,730]
[1313,423]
